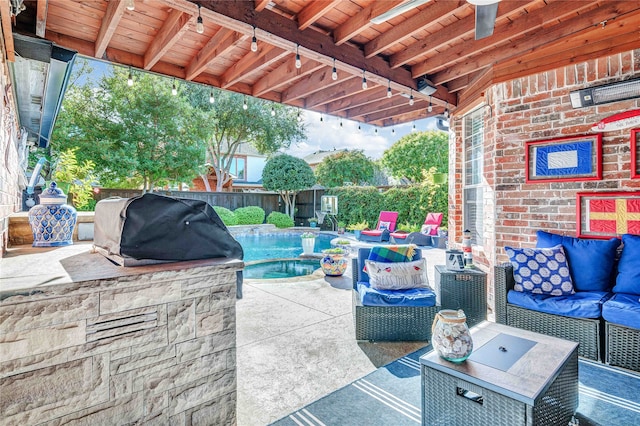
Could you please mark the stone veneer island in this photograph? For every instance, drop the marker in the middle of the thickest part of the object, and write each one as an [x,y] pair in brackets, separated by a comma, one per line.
[84,341]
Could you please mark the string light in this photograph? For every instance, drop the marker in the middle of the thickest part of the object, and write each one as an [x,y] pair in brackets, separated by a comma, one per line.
[211,98]
[321,120]
[413,129]
[364,81]
[130,79]
[254,41]
[341,122]
[430,107]
[446,111]
[359,128]
[411,98]
[130,5]
[334,73]
[299,115]
[244,104]
[375,131]
[199,24]
[298,62]
[174,90]
[393,130]
[273,112]
[389,94]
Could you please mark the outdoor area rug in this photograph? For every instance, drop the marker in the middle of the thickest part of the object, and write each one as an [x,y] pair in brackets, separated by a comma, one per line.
[391,396]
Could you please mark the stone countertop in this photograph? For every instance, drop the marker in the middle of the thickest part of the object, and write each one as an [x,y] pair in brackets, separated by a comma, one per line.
[27,268]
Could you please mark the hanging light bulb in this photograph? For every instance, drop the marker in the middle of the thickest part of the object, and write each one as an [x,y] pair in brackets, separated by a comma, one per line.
[389,94]
[321,120]
[334,72]
[364,81]
[359,128]
[375,131]
[273,112]
[130,79]
[211,98]
[430,107]
[413,129]
[174,90]
[393,130]
[199,24]
[341,122]
[446,111]
[298,62]
[411,98]
[299,115]
[254,41]
[130,5]
[244,104]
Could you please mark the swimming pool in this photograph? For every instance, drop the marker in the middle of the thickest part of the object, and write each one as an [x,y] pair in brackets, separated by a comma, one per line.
[286,268]
[278,246]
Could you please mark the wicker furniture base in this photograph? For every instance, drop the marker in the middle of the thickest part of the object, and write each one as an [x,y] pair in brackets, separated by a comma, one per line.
[585,331]
[474,394]
[392,323]
[623,346]
[466,290]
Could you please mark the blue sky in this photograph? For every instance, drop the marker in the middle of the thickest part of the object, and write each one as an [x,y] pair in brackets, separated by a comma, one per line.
[327,134]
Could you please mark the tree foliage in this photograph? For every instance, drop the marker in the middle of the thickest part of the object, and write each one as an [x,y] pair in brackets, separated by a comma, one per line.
[140,135]
[226,124]
[416,153]
[345,166]
[74,178]
[287,175]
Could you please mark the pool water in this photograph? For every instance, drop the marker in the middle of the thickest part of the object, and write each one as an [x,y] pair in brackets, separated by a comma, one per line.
[278,246]
[281,268]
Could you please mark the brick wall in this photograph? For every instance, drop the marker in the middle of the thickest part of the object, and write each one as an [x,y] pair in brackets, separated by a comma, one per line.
[10,171]
[533,108]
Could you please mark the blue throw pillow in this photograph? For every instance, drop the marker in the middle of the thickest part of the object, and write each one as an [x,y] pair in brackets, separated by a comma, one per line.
[590,261]
[541,270]
[628,279]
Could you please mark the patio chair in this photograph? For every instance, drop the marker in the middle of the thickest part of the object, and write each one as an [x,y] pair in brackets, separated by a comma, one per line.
[386,225]
[422,238]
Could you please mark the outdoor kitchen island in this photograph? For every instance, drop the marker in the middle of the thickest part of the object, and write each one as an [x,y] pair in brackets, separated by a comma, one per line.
[84,340]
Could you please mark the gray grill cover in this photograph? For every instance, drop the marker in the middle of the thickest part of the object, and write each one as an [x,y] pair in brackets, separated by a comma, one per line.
[161,228]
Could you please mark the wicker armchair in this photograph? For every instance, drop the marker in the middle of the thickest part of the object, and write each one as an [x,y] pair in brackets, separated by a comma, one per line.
[623,346]
[587,332]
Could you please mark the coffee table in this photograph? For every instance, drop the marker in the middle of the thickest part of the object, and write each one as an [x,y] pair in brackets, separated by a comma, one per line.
[513,377]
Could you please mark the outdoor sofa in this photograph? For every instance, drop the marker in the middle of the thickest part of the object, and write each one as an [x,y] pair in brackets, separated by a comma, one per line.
[603,315]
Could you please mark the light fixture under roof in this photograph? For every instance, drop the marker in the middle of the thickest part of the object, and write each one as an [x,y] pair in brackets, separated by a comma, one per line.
[254,41]
[606,93]
[398,10]
[211,98]
[174,90]
[364,81]
[130,5]
[199,23]
[426,87]
[389,94]
[130,79]
[298,62]
[334,72]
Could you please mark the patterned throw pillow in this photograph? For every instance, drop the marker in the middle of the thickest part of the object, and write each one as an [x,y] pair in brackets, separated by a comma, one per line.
[426,229]
[384,225]
[541,270]
[398,275]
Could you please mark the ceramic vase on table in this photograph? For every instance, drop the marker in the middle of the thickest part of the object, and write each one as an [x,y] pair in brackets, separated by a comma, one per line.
[308,245]
[52,221]
[334,264]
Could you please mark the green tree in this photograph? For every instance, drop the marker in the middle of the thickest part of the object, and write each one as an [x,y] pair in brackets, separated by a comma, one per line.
[75,178]
[136,136]
[345,166]
[416,153]
[226,124]
[287,176]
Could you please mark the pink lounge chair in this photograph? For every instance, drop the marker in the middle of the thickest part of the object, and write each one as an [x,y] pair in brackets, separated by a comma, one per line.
[422,238]
[386,225]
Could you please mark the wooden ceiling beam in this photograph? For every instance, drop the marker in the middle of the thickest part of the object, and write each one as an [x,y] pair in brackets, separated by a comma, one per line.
[314,11]
[362,20]
[409,116]
[111,19]
[394,112]
[425,18]
[172,30]
[370,95]
[261,4]
[41,18]
[252,63]
[537,39]
[480,53]
[459,83]
[284,74]
[307,85]
[347,87]
[460,29]
[476,87]
[393,102]
[222,42]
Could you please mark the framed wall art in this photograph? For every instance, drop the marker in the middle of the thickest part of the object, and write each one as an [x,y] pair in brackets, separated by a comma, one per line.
[607,214]
[573,158]
[635,153]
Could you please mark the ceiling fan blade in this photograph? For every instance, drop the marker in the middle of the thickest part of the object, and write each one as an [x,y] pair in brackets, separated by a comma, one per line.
[485,20]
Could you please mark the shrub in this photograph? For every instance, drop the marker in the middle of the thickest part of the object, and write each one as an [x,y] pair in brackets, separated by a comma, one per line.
[251,215]
[228,217]
[280,220]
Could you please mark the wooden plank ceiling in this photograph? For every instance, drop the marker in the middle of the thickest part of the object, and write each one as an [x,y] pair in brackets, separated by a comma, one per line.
[433,40]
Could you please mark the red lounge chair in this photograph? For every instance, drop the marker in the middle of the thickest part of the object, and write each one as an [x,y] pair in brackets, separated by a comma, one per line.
[422,238]
[386,225]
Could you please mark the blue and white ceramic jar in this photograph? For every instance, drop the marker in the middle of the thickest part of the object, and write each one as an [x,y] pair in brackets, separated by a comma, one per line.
[52,221]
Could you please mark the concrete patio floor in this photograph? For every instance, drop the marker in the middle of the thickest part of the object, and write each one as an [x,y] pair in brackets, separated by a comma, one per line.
[295,343]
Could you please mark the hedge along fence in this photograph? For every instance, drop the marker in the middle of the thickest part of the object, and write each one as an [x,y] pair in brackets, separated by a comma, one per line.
[413,202]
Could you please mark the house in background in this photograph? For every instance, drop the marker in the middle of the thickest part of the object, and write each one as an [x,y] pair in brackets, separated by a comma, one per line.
[316,158]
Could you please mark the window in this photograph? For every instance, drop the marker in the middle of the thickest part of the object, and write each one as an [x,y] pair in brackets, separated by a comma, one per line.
[472,187]
[238,168]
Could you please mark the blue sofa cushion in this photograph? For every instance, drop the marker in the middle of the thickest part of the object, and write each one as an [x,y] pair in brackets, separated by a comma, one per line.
[541,270]
[412,297]
[590,261]
[583,304]
[623,309]
[628,279]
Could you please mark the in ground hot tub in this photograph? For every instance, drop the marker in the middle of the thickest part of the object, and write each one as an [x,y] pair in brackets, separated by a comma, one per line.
[282,268]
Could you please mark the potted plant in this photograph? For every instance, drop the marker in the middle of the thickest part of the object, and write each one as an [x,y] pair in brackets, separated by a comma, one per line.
[357,228]
[312,222]
[308,242]
[334,262]
[341,227]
